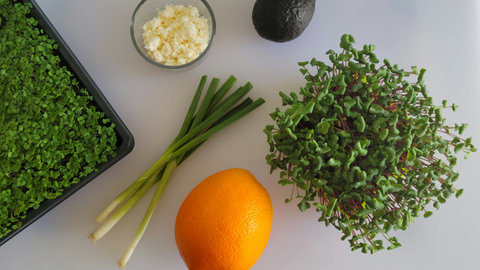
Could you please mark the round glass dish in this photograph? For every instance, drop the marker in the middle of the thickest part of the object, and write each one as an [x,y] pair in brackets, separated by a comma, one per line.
[148,9]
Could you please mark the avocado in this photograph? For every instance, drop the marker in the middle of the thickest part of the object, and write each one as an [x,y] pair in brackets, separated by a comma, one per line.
[282,20]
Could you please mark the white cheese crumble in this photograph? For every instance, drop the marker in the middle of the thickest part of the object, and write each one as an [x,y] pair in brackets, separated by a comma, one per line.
[177,36]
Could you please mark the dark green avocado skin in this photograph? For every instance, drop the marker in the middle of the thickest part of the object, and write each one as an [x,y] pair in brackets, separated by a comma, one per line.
[282,20]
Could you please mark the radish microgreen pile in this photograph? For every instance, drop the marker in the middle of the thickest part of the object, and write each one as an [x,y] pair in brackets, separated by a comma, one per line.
[212,116]
[366,147]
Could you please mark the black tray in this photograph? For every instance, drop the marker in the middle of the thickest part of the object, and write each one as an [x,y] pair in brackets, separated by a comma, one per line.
[125,141]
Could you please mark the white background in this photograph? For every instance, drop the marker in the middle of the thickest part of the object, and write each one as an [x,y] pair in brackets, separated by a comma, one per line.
[441,36]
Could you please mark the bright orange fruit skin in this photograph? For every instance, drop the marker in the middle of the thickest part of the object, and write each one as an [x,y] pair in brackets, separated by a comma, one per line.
[224,223]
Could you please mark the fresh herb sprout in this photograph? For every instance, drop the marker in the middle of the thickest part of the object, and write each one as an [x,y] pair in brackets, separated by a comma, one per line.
[212,116]
[50,133]
[366,147]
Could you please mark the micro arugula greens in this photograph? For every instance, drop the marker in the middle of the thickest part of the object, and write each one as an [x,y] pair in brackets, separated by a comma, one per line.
[365,148]
[50,135]
[199,125]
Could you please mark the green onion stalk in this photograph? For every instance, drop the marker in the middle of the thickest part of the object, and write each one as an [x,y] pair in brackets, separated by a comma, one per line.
[214,114]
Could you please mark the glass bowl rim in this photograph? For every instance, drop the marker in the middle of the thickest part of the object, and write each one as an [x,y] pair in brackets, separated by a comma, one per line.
[210,42]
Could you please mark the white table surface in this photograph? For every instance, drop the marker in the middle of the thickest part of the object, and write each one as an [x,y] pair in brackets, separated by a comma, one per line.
[441,36]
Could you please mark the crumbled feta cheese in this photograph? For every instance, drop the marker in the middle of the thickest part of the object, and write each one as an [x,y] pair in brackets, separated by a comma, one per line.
[177,36]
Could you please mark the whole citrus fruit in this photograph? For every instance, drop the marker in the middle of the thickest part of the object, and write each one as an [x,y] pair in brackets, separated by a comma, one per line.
[224,223]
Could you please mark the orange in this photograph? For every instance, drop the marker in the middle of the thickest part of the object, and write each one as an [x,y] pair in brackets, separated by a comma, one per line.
[224,223]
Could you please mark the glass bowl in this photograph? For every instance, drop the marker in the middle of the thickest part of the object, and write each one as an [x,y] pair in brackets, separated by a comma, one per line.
[148,9]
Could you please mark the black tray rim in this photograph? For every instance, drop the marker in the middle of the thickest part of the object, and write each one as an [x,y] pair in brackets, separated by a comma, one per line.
[121,129]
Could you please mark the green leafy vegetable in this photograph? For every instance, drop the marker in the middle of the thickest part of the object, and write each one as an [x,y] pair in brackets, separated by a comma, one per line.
[212,116]
[371,151]
[50,133]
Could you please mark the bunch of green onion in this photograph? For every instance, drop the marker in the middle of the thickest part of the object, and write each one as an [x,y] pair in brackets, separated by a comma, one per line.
[211,117]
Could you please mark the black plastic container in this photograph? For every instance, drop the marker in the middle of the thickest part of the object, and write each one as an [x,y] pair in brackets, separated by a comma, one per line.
[125,141]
